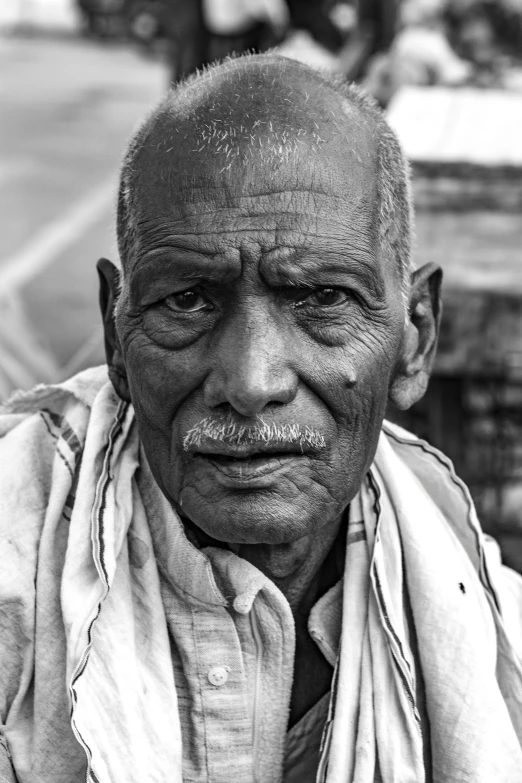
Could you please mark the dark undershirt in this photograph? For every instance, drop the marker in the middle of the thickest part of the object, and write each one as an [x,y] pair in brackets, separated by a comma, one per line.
[312,672]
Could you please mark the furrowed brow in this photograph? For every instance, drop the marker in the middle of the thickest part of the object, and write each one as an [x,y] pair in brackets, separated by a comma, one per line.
[169,268]
[311,269]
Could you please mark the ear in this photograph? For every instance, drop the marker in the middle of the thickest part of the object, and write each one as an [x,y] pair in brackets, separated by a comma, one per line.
[420,337]
[109,277]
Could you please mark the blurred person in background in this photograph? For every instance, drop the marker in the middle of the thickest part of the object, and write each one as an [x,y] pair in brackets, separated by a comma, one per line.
[201,31]
[317,19]
[451,43]
[186,36]
[488,34]
[334,35]
[244,25]
[420,53]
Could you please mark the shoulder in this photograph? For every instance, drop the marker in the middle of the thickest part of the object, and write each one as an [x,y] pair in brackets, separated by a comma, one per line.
[432,468]
[437,475]
[508,587]
[42,433]
[38,430]
[27,450]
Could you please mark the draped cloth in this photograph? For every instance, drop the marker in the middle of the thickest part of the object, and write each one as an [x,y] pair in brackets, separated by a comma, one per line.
[427,610]
[416,606]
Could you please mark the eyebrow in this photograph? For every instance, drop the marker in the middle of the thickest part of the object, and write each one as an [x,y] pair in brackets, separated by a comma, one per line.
[174,264]
[179,263]
[311,266]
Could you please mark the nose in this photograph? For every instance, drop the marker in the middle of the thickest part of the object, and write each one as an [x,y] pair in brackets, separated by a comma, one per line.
[251,367]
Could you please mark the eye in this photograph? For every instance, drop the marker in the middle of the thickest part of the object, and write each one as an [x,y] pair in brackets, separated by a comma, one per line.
[324,297]
[187,302]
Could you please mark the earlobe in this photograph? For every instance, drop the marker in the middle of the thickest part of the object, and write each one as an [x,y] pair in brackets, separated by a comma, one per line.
[420,337]
[109,277]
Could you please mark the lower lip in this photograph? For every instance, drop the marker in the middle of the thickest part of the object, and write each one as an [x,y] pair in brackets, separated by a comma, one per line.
[248,470]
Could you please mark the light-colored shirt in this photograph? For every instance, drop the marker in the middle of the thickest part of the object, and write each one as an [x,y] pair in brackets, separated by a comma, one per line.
[232,644]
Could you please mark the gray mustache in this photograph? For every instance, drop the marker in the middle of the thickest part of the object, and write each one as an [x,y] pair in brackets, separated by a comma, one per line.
[232,433]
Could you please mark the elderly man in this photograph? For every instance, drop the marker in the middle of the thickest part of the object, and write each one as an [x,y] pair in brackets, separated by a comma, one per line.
[222,565]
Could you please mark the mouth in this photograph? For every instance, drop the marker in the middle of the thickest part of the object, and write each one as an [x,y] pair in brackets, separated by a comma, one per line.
[248,466]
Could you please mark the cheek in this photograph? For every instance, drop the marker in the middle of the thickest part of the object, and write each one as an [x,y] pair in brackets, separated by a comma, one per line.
[160,381]
[353,384]
[354,377]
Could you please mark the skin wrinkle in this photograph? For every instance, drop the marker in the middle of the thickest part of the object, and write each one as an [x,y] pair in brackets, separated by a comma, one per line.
[153,231]
[395,193]
[259,246]
[353,265]
[354,233]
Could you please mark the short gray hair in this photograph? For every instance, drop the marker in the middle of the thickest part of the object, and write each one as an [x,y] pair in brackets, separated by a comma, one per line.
[395,201]
[395,205]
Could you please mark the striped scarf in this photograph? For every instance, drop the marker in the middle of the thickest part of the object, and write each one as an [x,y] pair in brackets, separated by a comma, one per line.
[427,685]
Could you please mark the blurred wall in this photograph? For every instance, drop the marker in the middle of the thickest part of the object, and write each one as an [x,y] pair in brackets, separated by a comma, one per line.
[54,14]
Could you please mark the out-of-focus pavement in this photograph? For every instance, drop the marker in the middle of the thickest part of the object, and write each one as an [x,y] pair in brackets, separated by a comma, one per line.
[68,107]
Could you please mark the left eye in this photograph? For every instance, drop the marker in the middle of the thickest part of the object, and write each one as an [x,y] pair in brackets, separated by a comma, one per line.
[187,302]
[324,297]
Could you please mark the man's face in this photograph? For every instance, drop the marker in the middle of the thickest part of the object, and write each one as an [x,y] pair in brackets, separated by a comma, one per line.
[260,300]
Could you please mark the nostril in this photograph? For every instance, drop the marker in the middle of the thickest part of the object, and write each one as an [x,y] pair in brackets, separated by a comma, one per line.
[225,408]
[248,390]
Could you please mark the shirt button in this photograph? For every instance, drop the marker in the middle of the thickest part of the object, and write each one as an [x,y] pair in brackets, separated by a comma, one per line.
[218,675]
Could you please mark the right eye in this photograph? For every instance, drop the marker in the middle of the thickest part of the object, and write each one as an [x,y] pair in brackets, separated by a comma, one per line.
[190,301]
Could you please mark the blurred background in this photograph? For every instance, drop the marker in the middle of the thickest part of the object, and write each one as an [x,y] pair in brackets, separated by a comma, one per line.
[76,77]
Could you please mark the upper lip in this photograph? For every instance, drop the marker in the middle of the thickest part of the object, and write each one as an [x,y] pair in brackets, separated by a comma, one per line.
[249,450]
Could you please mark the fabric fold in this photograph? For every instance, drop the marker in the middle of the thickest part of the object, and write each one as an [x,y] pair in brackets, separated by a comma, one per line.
[410,569]
[426,608]
[124,706]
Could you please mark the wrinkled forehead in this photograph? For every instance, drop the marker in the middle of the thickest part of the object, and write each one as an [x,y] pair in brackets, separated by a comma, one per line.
[225,140]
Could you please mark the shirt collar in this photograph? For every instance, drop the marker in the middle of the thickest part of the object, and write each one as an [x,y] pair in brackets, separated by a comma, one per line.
[217,576]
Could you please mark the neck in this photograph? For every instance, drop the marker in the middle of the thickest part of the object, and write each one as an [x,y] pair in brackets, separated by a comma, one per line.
[294,567]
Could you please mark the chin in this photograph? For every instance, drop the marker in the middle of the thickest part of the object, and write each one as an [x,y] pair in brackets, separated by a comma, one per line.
[250,520]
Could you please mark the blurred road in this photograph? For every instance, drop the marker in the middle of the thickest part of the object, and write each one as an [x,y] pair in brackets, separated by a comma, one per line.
[68,107]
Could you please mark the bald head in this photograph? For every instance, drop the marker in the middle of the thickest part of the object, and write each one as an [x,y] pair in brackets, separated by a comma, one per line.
[251,119]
